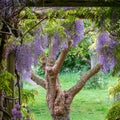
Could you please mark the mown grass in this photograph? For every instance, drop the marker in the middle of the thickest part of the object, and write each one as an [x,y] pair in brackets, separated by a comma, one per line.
[89,104]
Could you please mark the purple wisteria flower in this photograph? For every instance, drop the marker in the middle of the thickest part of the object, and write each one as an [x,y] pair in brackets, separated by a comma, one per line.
[14,111]
[79,32]
[64,45]
[103,59]
[56,45]
[103,40]
[19,114]
[112,63]
[105,49]
[67,8]
[6,7]
[17,106]
[38,49]
[23,58]
[67,31]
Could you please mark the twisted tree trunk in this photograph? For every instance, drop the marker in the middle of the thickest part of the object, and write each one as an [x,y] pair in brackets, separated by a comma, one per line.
[59,106]
[59,101]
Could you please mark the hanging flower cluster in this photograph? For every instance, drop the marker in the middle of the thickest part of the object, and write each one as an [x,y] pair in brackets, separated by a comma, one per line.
[16,112]
[23,58]
[79,32]
[105,49]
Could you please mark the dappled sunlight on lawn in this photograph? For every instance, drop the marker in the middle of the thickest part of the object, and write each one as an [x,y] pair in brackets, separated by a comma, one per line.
[89,104]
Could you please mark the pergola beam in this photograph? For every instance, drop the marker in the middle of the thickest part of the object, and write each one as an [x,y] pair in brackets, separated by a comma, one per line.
[73,3]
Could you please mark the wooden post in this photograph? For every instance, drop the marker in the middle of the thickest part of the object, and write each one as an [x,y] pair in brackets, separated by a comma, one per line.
[11,69]
[1,105]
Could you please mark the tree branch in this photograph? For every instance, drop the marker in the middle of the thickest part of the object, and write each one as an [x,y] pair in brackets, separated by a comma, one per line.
[6,32]
[61,58]
[33,27]
[80,84]
[38,80]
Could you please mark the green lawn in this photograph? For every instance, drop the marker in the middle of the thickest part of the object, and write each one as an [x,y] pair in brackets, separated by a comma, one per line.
[89,104]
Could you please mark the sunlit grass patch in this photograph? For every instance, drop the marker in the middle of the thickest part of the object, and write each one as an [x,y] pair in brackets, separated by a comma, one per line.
[88,104]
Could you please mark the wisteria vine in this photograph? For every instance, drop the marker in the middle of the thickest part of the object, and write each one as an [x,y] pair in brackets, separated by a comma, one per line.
[105,49]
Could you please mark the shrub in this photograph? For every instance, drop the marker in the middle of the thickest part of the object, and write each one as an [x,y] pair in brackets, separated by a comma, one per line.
[5,79]
[114,112]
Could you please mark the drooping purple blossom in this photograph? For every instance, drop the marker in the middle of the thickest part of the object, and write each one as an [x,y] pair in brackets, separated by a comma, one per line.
[111,47]
[14,111]
[8,7]
[55,46]
[79,32]
[103,59]
[105,49]
[113,42]
[67,31]
[17,106]
[23,58]
[67,8]
[5,8]
[19,114]
[64,45]
[41,42]
[38,49]
[103,40]
[112,63]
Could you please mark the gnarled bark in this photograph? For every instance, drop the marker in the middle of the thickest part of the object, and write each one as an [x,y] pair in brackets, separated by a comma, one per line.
[63,117]
[59,104]
[59,101]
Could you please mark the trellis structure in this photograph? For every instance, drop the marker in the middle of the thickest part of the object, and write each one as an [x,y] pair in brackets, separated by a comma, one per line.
[73,3]
[68,3]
